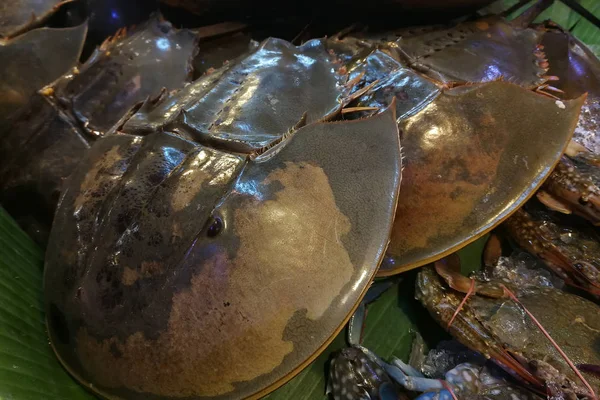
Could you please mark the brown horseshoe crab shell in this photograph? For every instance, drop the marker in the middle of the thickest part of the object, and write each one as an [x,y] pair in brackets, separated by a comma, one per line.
[473,156]
[231,273]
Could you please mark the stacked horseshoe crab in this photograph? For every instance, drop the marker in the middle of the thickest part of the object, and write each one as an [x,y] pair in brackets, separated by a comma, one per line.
[515,313]
[212,237]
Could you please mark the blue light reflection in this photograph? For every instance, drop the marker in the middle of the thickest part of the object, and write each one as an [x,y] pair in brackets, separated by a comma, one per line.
[163,44]
[249,188]
[492,73]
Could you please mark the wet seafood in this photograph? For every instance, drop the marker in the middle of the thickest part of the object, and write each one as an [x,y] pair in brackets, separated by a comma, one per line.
[177,232]
[228,229]
[467,166]
[573,185]
[357,373]
[570,251]
[40,40]
[497,326]
[33,55]
[44,141]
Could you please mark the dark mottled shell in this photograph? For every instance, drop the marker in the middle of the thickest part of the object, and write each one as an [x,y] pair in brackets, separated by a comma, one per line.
[355,373]
[17,15]
[33,60]
[43,142]
[179,267]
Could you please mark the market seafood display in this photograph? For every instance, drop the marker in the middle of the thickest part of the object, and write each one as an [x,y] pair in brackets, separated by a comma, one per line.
[494,324]
[220,206]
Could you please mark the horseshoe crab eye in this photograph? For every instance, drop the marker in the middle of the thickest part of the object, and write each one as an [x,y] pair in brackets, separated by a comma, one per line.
[215,227]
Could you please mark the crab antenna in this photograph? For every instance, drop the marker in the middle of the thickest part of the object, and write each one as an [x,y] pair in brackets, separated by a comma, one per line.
[556,346]
[302,32]
[462,303]
[449,388]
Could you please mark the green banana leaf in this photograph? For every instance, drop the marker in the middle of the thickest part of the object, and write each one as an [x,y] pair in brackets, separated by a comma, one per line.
[29,370]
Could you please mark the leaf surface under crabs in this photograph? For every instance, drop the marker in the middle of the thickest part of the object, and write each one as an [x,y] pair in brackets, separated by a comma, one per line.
[229,272]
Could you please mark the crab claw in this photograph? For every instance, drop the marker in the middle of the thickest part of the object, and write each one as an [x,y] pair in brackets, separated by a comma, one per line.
[449,269]
[541,237]
[569,189]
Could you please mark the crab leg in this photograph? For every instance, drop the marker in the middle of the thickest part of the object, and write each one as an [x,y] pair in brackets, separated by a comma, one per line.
[406,368]
[356,325]
[413,383]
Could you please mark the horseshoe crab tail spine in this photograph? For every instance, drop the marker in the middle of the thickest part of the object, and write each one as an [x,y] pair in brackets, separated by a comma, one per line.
[529,15]
[514,8]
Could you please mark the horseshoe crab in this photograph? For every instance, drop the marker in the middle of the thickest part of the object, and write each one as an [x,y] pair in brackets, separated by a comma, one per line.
[465,95]
[33,55]
[43,142]
[179,229]
[40,40]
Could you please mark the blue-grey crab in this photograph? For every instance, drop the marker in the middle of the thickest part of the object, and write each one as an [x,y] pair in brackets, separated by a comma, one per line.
[492,323]
[356,373]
